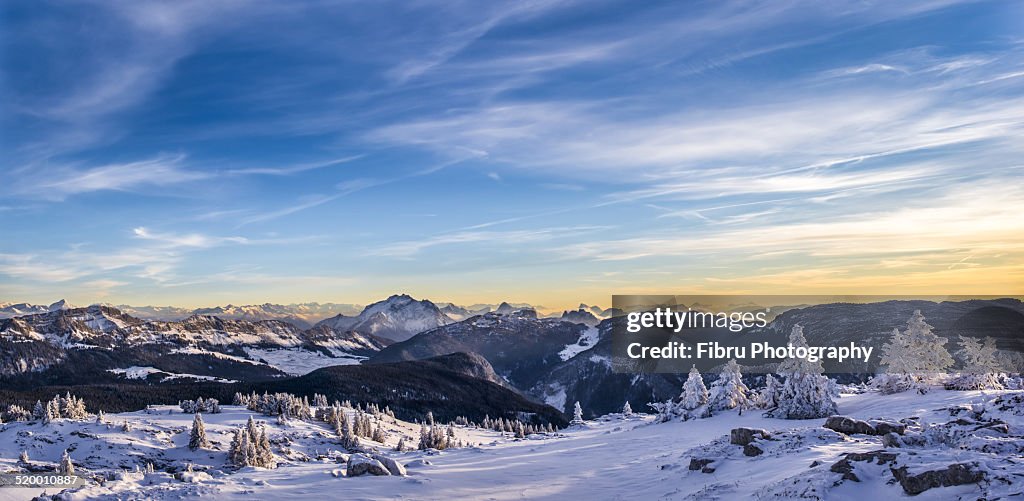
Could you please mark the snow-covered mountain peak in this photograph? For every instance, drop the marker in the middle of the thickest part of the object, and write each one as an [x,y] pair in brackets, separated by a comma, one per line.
[398,317]
[60,305]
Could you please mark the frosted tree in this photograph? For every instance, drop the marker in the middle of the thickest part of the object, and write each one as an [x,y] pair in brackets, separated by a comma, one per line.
[38,412]
[693,401]
[981,367]
[806,393]
[577,414]
[729,392]
[23,458]
[52,412]
[250,447]
[100,417]
[898,361]
[378,434]
[197,439]
[929,350]
[912,358]
[264,455]
[66,467]
[768,397]
[627,410]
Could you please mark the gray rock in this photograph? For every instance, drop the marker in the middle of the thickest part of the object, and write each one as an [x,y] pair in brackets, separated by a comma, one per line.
[752,450]
[954,474]
[698,464]
[845,465]
[394,467]
[886,427]
[743,436]
[360,464]
[849,426]
[891,440]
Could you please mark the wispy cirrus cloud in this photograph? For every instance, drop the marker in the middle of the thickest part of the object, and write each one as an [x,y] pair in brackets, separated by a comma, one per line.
[485,238]
[59,182]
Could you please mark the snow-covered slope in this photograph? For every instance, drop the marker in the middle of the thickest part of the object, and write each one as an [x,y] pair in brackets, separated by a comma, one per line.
[616,457]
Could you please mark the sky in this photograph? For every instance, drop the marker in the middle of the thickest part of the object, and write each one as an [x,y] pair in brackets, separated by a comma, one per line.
[194,153]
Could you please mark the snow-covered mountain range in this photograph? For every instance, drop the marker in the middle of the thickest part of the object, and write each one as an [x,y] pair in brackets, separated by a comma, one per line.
[10,310]
[95,339]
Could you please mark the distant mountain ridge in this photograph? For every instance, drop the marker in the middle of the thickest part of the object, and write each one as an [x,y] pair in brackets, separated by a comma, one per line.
[100,338]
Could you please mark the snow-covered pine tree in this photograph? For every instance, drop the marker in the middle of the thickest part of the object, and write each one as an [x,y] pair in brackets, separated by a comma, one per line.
[349,440]
[23,458]
[806,393]
[693,401]
[250,426]
[982,369]
[913,358]
[378,434]
[929,349]
[264,455]
[66,467]
[768,397]
[729,391]
[197,438]
[38,412]
[52,412]
[898,362]
[627,410]
[577,414]
[235,449]
[100,416]
[400,447]
[126,427]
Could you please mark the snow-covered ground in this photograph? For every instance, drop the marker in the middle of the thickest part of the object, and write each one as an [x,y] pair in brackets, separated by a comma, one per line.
[297,362]
[610,458]
[586,341]
[136,372]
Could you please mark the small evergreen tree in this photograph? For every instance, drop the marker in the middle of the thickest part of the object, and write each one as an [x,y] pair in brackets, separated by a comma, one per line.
[197,439]
[627,410]
[23,458]
[66,467]
[982,370]
[38,412]
[729,391]
[768,397]
[806,394]
[577,414]
[912,358]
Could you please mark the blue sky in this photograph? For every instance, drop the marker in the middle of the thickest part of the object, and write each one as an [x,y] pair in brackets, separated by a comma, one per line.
[196,152]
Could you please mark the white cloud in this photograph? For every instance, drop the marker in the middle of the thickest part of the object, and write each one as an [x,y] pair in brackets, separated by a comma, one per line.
[195,240]
[56,183]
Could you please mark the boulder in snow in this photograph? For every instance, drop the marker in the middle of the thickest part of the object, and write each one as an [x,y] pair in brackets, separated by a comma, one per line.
[394,467]
[954,474]
[743,436]
[849,426]
[360,464]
